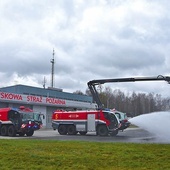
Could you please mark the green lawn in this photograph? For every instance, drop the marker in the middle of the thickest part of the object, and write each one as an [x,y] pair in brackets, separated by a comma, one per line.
[50,155]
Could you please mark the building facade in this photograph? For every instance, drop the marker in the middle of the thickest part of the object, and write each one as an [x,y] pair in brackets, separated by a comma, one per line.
[43,100]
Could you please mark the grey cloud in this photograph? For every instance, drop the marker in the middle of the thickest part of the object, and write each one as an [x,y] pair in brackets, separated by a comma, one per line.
[117,40]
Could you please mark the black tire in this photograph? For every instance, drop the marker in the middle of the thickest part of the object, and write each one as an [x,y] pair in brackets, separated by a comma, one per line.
[114,133]
[71,130]
[11,131]
[102,130]
[4,131]
[21,134]
[62,129]
[83,133]
[30,133]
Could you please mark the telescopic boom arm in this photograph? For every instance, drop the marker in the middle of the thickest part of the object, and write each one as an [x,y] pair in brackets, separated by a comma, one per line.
[91,84]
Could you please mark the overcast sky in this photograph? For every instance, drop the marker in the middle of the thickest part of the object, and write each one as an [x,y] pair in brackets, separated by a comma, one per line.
[92,39]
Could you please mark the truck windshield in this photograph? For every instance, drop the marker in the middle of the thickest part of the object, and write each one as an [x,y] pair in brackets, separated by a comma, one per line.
[34,116]
[121,116]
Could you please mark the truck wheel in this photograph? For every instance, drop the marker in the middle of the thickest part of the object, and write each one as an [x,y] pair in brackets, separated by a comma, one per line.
[71,130]
[4,131]
[102,130]
[11,131]
[82,133]
[21,134]
[30,133]
[114,133]
[62,129]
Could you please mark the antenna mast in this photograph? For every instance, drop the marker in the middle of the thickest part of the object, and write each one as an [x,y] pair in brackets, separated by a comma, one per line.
[44,82]
[52,70]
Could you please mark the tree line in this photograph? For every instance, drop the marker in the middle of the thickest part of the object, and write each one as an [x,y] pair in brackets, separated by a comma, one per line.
[135,103]
[131,103]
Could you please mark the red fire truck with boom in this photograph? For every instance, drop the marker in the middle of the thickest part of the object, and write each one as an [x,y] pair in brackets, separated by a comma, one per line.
[102,121]
[19,121]
[94,92]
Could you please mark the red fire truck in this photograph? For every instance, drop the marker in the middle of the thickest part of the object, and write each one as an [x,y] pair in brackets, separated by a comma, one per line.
[93,83]
[19,121]
[102,122]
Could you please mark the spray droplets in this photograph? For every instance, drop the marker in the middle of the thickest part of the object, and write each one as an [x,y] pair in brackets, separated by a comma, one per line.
[157,123]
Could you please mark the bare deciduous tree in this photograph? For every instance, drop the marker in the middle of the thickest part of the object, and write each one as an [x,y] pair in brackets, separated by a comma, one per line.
[133,104]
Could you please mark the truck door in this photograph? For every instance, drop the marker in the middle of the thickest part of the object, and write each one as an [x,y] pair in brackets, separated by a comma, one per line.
[112,118]
[15,118]
[91,126]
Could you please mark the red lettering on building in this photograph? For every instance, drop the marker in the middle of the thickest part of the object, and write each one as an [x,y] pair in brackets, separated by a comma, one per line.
[10,96]
[36,99]
[55,101]
[31,98]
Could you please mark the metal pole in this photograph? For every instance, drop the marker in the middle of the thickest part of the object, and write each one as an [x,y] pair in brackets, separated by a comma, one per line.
[52,70]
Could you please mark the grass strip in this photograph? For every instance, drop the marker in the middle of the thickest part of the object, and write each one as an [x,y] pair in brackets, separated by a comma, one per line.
[80,155]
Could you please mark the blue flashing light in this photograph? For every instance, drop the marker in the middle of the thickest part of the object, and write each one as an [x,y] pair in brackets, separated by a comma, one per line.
[107,109]
[35,126]
[14,108]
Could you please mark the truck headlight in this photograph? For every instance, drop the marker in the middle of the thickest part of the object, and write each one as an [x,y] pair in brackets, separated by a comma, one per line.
[23,125]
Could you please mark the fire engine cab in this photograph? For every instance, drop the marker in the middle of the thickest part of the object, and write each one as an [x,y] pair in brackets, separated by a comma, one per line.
[102,122]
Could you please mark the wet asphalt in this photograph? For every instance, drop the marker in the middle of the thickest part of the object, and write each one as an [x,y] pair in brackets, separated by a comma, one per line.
[130,135]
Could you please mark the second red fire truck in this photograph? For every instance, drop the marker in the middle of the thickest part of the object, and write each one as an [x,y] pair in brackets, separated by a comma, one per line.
[19,121]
